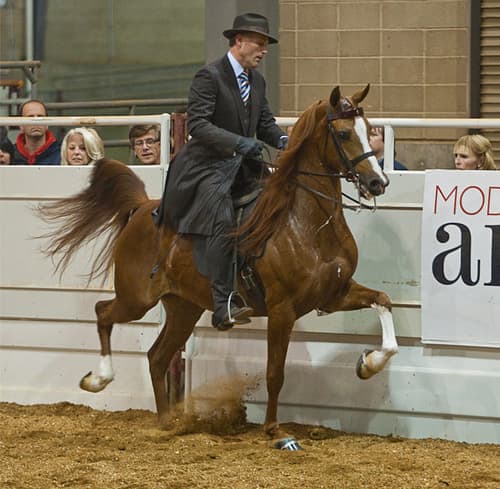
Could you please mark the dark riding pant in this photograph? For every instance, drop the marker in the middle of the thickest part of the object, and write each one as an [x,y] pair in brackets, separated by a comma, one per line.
[214,258]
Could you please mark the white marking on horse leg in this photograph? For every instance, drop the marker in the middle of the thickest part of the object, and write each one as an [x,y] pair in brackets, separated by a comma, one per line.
[374,361]
[389,342]
[96,383]
[106,367]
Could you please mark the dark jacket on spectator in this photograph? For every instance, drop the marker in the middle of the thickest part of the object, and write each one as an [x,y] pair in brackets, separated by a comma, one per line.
[397,165]
[7,147]
[48,154]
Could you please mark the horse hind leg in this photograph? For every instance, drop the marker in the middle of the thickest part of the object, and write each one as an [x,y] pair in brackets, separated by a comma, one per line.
[181,317]
[372,362]
[108,312]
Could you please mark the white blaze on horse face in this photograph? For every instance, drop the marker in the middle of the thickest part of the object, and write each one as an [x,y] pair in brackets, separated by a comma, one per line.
[362,132]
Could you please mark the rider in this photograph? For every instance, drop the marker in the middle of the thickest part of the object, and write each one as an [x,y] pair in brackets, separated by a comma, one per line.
[224,129]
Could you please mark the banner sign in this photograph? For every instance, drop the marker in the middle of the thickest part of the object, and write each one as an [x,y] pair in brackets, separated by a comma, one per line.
[461,258]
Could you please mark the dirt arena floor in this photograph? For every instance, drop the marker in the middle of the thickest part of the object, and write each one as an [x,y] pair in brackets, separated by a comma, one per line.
[72,446]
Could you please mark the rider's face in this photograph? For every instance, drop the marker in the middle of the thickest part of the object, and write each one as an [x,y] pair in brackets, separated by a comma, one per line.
[250,49]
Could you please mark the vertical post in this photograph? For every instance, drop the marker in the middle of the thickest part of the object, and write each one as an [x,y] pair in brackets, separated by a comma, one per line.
[164,140]
[29,26]
[475,60]
[388,148]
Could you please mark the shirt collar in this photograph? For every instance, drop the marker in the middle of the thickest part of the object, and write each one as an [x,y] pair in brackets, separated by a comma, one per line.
[237,68]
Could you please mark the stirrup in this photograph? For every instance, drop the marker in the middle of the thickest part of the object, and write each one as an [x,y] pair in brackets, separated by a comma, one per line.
[234,295]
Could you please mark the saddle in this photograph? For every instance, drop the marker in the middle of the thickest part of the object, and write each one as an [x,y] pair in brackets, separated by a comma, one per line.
[244,199]
[244,194]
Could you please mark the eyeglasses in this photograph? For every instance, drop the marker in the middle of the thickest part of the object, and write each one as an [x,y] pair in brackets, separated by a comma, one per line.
[138,143]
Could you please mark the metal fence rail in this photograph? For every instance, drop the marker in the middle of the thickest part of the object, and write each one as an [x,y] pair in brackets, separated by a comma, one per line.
[164,120]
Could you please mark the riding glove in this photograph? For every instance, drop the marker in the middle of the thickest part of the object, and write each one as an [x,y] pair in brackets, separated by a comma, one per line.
[249,147]
[283,143]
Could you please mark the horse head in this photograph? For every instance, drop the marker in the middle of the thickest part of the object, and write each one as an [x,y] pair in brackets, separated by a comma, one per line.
[349,147]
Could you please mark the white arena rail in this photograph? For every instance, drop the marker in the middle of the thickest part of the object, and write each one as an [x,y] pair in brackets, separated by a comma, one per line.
[48,338]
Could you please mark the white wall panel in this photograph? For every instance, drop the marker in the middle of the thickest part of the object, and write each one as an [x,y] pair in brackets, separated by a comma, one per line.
[48,338]
[424,391]
[48,335]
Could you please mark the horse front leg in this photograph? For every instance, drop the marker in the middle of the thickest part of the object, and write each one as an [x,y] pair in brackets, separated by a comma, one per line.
[372,362]
[279,328]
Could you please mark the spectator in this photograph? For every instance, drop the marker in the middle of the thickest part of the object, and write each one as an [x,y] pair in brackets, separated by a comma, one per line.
[145,141]
[473,152]
[6,151]
[81,146]
[378,146]
[36,145]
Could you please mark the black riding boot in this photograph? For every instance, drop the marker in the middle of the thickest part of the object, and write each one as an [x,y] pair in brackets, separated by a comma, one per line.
[214,255]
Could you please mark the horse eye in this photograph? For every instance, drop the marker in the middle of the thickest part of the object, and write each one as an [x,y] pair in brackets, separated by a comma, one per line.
[344,135]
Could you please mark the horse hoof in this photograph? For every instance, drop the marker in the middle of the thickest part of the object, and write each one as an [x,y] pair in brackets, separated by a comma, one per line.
[362,370]
[94,383]
[289,443]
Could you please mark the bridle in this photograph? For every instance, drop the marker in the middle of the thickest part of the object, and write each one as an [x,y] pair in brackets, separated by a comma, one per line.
[349,164]
[349,173]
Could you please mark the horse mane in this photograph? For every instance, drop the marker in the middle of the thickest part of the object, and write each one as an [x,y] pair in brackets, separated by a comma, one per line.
[102,209]
[278,195]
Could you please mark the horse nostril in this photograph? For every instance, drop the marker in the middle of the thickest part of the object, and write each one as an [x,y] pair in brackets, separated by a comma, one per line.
[376,186]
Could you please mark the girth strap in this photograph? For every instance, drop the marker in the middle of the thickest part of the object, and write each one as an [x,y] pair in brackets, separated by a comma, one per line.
[244,200]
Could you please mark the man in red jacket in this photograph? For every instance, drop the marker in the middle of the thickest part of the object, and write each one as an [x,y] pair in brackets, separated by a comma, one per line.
[36,145]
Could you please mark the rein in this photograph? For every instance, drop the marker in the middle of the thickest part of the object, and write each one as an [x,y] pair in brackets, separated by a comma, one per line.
[349,164]
[360,205]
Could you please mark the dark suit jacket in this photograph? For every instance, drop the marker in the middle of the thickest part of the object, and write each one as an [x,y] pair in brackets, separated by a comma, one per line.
[205,169]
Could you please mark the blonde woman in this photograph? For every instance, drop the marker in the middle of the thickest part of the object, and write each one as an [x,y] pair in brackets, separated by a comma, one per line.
[81,146]
[473,152]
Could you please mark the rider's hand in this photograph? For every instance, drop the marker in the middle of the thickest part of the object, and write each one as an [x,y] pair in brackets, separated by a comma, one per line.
[249,147]
[283,143]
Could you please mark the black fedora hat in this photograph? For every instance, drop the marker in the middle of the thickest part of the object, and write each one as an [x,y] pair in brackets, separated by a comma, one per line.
[250,23]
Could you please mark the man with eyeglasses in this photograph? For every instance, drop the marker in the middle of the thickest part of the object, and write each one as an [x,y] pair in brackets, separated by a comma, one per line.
[145,142]
[229,120]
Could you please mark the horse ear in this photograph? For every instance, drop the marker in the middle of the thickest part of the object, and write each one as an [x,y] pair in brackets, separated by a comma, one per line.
[335,96]
[360,96]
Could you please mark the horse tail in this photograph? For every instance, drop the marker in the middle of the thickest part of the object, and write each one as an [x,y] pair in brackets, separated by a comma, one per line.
[101,210]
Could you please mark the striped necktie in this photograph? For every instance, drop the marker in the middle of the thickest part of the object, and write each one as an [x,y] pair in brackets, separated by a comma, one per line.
[244,86]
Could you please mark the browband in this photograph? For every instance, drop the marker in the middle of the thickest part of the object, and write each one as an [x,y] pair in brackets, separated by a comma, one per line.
[346,114]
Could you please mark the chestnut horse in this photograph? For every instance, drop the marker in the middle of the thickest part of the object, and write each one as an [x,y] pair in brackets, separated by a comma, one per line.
[307,252]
